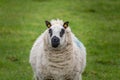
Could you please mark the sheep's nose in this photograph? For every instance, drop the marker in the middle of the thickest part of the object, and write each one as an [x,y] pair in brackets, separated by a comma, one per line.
[55,41]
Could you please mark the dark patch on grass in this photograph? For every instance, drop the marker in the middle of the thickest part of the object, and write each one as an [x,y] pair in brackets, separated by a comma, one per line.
[12,58]
[85,73]
[107,62]
[90,10]
[93,72]
[40,0]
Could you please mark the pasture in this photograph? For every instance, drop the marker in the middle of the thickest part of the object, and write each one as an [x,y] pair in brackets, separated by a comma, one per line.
[96,23]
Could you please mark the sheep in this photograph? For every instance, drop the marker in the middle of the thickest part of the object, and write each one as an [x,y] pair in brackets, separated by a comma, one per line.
[57,54]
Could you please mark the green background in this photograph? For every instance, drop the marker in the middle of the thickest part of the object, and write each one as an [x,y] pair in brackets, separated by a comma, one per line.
[95,22]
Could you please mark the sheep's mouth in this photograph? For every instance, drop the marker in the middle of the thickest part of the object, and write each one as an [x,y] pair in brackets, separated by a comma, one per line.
[55,45]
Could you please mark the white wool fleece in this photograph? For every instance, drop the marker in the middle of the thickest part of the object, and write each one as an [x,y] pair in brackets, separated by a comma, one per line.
[65,63]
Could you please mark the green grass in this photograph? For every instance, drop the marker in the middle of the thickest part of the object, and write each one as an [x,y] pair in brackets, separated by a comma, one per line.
[96,23]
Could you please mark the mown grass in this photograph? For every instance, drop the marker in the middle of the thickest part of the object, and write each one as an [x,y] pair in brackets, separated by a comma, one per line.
[96,23]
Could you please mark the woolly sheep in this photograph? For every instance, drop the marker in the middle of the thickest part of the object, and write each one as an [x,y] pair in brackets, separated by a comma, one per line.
[57,54]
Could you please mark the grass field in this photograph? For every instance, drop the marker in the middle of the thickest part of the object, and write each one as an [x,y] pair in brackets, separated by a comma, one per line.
[95,22]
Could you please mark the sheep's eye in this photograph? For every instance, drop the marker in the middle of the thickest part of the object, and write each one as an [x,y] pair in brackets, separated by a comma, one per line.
[62,32]
[50,32]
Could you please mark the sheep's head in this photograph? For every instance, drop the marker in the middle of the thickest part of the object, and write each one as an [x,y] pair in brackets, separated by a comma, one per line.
[56,33]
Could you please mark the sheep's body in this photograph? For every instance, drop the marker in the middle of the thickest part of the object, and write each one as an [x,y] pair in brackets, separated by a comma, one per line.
[65,63]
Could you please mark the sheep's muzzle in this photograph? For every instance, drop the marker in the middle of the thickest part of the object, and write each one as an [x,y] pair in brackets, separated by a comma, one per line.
[55,41]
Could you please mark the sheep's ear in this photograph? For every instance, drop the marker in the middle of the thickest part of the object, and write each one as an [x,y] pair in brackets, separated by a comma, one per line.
[65,25]
[48,24]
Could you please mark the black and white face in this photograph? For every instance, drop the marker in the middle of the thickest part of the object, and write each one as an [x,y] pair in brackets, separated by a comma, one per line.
[57,35]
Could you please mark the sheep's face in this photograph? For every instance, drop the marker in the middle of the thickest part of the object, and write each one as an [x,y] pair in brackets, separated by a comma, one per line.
[56,34]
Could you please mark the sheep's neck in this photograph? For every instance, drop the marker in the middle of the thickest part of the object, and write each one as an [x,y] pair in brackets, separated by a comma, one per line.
[60,58]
